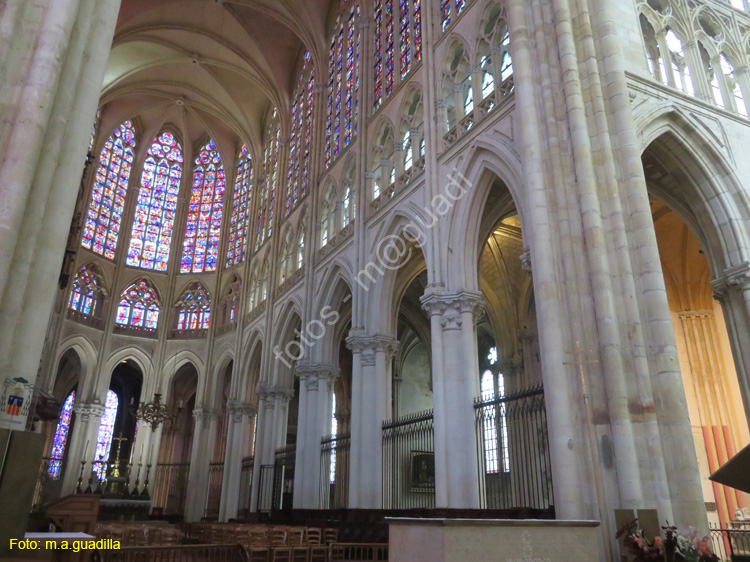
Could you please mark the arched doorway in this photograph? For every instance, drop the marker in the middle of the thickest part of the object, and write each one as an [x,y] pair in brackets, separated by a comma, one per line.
[692,251]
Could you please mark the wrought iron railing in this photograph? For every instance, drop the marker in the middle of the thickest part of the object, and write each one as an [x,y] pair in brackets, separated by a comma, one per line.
[246,483]
[514,463]
[48,487]
[409,462]
[334,471]
[170,487]
[731,545]
[215,480]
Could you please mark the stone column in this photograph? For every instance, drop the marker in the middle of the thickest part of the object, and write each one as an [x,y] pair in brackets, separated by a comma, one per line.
[727,95]
[204,437]
[84,431]
[316,389]
[698,75]
[262,434]
[371,376]
[237,438]
[455,373]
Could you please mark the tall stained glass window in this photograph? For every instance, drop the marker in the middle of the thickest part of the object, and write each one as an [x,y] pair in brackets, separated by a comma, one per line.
[86,292]
[265,215]
[243,191]
[398,44]
[105,434]
[334,430]
[57,454]
[343,82]
[157,202]
[446,15]
[194,308]
[200,250]
[139,307]
[104,216]
[298,175]
[497,454]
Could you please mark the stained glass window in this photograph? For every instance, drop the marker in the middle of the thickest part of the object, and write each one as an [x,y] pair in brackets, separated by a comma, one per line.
[446,17]
[104,215]
[139,307]
[495,452]
[343,83]
[243,191]
[57,454]
[378,53]
[104,436]
[347,207]
[85,293]
[265,216]
[298,174]
[398,36]
[157,202]
[194,308]
[200,249]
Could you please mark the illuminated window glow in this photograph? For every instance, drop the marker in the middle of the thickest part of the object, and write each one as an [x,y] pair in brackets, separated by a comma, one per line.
[157,202]
[139,307]
[85,293]
[200,249]
[57,454]
[104,215]
[104,436]
[239,226]
[194,308]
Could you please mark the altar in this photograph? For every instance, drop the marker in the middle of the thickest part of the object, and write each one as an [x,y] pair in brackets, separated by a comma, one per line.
[492,540]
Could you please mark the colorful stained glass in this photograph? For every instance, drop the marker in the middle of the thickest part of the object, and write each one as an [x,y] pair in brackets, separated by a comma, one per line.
[243,191]
[194,308]
[200,249]
[418,30]
[336,143]
[389,55]
[329,115]
[378,67]
[139,307]
[104,215]
[57,454]
[350,77]
[264,217]
[85,292]
[405,39]
[445,13]
[157,202]
[308,134]
[104,436]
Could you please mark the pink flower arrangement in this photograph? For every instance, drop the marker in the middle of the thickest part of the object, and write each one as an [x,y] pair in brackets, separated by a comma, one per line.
[675,546]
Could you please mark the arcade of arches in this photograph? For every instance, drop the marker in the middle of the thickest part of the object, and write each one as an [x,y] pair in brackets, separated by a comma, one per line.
[487,254]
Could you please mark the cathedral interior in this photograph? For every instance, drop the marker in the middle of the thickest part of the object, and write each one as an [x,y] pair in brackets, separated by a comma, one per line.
[309,265]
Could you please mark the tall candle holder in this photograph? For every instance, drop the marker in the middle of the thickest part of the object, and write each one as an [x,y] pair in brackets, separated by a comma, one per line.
[79,489]
[144,493]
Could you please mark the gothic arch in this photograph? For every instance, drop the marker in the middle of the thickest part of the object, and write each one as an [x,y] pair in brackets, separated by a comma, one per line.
[175,363]
[710,207]
[333,294]
[141,359]
[466,232]
[88,358]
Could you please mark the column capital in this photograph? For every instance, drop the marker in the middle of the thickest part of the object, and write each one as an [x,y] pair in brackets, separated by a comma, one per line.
[735,277]
[312,374]
[272,393]
[204,416]
[451,305]
[85,411]
[368,344]
[238,410]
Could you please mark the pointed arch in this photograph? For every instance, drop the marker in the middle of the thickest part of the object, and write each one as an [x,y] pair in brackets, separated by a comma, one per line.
[101,227]
[139,306]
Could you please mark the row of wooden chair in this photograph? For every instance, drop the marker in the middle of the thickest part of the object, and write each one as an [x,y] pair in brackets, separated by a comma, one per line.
[270,543]
[132,534]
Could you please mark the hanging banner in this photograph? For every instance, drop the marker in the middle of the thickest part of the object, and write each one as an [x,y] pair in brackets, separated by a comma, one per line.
[15,402]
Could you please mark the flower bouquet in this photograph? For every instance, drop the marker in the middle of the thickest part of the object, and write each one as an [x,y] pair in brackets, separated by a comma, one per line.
[675,546]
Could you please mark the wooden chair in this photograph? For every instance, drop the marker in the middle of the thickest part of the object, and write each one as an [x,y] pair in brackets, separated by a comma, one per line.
[257,544]
[296,540]
[317,551]
[330,535]
[279,550]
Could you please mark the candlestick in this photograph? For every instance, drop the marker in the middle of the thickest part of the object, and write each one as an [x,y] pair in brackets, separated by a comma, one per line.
[86,450]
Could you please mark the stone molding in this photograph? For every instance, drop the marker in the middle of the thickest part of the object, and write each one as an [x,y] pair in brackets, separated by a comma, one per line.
[367,344]
[204,416]
[312,374]
[451,305]
[238,410]
[85,411]
[737,277]
[272,393]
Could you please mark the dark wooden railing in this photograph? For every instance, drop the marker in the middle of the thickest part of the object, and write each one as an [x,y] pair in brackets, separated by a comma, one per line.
[174,553]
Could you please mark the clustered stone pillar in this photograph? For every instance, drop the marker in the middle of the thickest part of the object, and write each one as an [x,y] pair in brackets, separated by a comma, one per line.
[240,419]
[455,386]
[371,392]
[54,57]
[204,438]
[313,423]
